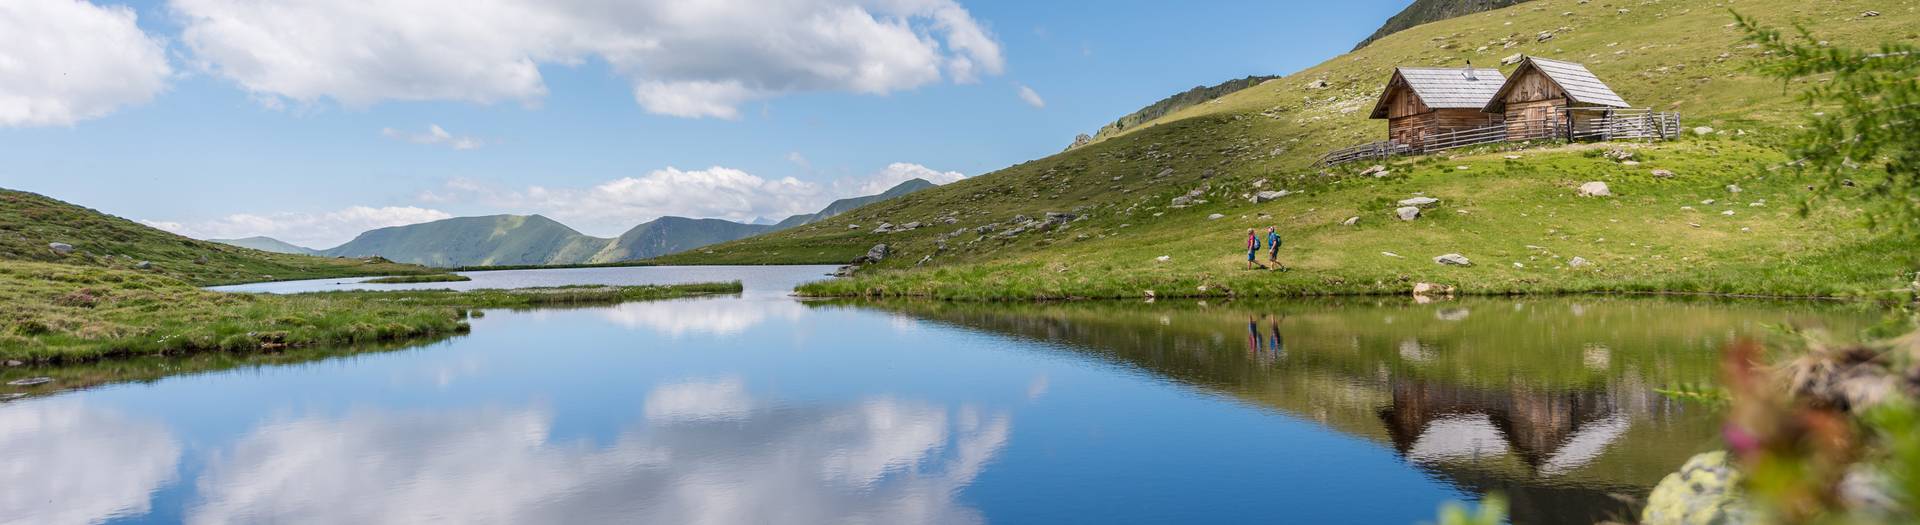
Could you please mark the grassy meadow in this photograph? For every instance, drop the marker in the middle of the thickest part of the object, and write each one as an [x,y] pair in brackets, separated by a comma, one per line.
[1512,210]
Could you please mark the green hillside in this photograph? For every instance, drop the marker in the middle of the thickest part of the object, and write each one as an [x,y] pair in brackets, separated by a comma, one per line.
[30,223]
[851,203]
[1656,234]
[667,235]
[493,240]
[1182,100]
[267,244]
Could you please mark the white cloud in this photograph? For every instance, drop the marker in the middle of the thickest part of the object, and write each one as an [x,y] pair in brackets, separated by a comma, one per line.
[434,135]
[899,172]
[688,59]
[313,230]
[1031,97]
[64,61]
[715,400]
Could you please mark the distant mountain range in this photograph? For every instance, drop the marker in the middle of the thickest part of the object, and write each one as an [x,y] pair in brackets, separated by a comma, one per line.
[509,240]
[268,244]
[1424,11]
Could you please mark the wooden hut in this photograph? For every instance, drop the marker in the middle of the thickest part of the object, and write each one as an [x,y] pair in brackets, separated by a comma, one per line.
[1422,101]
[1550,98]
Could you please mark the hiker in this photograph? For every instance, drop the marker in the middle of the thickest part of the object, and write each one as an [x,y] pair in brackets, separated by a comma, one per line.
[1253,248]
[1273,248]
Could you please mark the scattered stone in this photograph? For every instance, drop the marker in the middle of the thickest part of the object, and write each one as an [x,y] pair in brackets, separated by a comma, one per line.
[143,265]
[1520,266]
[1165,173]
[1374,170]
[1629,163]
[1708,202]
[11,362]
[1662,174]
[1262,183]
[1421,202]
[1431,289]
[1703,130]
[1206,173]
[1453,259]
[1595,189]
[1391,254]
[1705,490]
[200,260]
[1407,213]
[1162,258]
[1322,83]
[1215,217]
[853,226]
[1618,155]
[1728,213]
[1268,195]
[1577,262]
[924,260]
[878,252]
[910,226]
[1150,295]
[30,381]
[1512,59]
[1733,188]
[60,247]
[885,227]
[1869,14]
[1351,221]
[1543,36]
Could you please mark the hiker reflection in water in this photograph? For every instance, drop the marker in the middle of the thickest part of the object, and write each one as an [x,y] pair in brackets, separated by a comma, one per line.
[1253,336]
[1274,345]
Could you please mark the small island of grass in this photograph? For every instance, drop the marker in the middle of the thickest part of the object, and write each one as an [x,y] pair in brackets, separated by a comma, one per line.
[411,279]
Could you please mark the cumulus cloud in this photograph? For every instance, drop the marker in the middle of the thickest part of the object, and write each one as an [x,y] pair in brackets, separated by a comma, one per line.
[899,172]
[434,135]
[687,59]
[313,230]
[64,61]
[1032,98]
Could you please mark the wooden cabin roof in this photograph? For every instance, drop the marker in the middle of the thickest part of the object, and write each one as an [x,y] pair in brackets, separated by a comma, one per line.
[1580,85]
[1443,87]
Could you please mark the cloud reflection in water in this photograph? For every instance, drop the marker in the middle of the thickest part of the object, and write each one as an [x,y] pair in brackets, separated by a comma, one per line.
[707,453]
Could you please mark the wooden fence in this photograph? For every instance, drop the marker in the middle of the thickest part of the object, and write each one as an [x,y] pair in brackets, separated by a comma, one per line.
[1574,124]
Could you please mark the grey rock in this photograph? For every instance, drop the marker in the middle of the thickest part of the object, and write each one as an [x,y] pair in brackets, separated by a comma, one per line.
[884,227]
[1703,130]
[1165,173]
[1512,59]
[1663,174]
[1268,195]
[1869,14]
[1733,188]
[143,265]
[1705,490]
[1215,217]
[1374,170]
[1407,213]
[910,226]
[11,362]
[1577,262]
[30,381]
[924,260]
[1453,259]
[60,247]
[1356,219]
[1317,84]
[1595,189]
[1421,202]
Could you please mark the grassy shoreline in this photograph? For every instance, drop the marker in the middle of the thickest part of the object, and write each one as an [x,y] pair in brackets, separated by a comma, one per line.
[58,314]
[413,279]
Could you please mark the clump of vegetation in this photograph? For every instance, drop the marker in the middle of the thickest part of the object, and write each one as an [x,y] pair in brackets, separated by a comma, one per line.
[410,279]
[55,313]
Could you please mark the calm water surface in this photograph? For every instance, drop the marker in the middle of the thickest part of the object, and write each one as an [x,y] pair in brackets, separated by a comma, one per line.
[760,408]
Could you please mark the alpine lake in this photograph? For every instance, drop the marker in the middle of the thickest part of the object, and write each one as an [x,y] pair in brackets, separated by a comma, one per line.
[765,408]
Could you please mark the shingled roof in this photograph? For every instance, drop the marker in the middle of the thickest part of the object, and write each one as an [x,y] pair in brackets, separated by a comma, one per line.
[1443,87]
[1580,84]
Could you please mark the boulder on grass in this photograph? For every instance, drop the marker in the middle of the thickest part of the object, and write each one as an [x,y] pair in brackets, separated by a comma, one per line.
[1595,189]
[60,247]
[1420,202]
[1453,259]
[1407,213]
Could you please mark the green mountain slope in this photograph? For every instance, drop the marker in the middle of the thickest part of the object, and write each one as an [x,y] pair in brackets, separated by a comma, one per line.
[1424,11]
[667,235]
[30,222]
[1677,56]
[477,241]
[848,204]
[1185,99]
[267,244]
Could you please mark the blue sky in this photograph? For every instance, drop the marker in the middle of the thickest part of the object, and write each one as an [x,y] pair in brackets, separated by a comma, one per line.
[311,121]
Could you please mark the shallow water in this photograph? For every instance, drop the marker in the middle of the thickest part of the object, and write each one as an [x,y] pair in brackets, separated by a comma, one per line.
[760,408]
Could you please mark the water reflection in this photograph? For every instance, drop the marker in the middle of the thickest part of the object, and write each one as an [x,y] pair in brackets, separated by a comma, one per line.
[1549,402]
[702,316]
[66,461]
[707,452]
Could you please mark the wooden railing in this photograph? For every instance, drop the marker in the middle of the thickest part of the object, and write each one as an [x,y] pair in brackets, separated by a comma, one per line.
[1607,124]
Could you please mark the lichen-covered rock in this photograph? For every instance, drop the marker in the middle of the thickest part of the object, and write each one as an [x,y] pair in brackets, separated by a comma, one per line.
[1704,492]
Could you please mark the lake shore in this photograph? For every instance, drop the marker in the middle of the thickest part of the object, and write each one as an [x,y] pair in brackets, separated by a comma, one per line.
[62,314]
